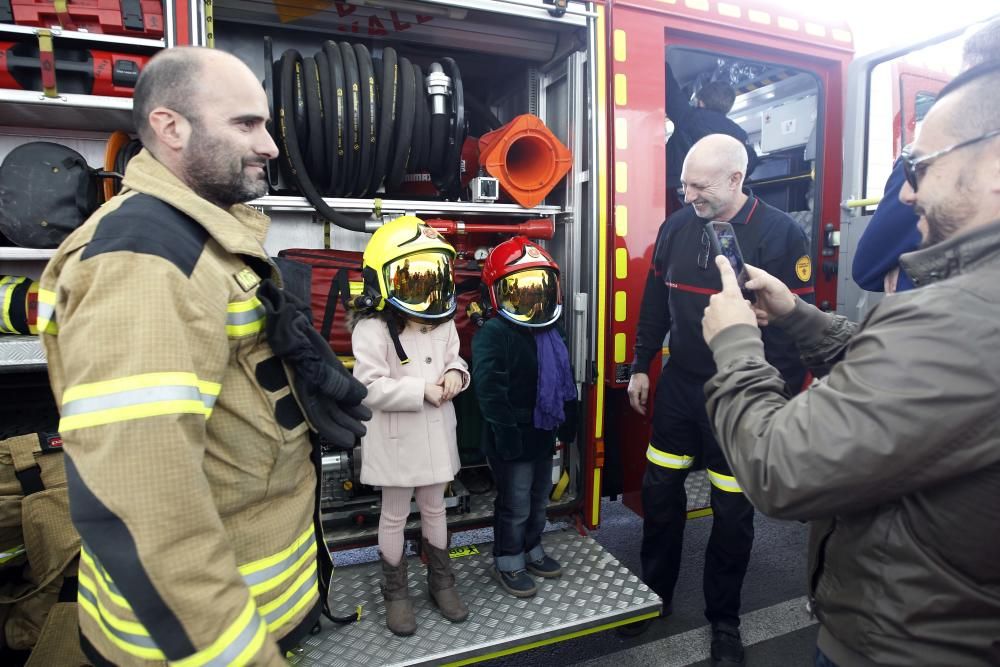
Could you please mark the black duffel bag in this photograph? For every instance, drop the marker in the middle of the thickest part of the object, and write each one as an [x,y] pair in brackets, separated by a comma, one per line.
[46,191]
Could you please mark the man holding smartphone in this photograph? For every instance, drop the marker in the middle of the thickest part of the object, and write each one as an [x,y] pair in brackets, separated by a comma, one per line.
[894,454]
[680,281]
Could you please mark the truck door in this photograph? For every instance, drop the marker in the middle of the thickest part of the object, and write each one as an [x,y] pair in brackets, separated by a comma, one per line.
[889,92]
[787,73]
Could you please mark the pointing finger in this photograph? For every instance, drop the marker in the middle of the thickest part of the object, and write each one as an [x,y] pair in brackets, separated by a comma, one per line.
[729,284]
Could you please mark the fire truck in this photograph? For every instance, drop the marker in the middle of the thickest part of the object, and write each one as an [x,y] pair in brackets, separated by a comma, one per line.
[594,74]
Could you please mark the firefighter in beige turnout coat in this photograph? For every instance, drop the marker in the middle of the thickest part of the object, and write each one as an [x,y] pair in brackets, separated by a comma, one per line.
[188,458]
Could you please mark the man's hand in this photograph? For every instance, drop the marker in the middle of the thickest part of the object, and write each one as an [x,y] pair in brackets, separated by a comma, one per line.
[433,394]
[728,307]
[451,384]
[638,392]
[774,299]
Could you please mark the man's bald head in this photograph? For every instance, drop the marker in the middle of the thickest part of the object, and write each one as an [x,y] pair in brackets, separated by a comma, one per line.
[712,177]
[175,78]
[719,153]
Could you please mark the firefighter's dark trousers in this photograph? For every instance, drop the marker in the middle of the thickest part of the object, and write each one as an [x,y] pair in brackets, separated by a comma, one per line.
[681,433]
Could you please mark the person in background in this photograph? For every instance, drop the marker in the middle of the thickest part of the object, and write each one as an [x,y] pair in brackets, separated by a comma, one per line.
[894,455]
[892,231]
[692,123]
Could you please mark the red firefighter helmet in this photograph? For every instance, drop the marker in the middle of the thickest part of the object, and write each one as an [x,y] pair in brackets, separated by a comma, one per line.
[522,283]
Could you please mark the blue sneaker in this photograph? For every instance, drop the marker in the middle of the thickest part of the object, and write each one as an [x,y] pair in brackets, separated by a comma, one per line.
[545,567]
[517,583]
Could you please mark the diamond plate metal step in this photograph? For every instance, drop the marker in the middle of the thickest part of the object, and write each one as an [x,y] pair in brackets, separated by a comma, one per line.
[595,592]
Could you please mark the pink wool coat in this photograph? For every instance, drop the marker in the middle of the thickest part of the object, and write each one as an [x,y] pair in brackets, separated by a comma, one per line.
[409,442]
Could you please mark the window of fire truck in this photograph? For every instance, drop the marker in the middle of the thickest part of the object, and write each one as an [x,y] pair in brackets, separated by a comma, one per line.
[777,105]
[900,92]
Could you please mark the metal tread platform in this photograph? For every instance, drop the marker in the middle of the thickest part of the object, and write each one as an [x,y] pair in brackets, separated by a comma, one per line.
[595,592]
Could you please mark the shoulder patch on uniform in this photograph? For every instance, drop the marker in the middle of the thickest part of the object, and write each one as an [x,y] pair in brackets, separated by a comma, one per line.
[803,268]
[247,278]
[146,225]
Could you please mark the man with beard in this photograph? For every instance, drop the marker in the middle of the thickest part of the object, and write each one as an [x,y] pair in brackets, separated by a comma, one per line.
[188,458]
[681,278]
[895,453]
[892,231]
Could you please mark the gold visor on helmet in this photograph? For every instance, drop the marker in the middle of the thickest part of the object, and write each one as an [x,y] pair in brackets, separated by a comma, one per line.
[530,297]
[422,284]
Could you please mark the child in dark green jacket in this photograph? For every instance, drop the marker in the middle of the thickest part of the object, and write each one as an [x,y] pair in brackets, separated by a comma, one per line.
[527,396]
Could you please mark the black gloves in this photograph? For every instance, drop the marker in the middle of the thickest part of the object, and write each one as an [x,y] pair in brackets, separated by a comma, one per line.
[328,394]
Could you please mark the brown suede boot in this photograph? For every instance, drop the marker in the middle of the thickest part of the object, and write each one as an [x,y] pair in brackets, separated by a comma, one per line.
[441,584]
[398,610]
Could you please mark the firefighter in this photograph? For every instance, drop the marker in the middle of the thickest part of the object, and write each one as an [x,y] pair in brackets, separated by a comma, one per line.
[188,458]
[680,280]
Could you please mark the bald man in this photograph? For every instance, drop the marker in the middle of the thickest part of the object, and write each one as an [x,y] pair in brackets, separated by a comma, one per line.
[188,459]
[680,281]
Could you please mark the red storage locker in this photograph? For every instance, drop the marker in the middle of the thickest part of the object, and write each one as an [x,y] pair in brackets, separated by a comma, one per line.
[133,18]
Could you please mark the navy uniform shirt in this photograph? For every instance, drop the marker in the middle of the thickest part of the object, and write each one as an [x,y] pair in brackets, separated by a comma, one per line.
[683,276]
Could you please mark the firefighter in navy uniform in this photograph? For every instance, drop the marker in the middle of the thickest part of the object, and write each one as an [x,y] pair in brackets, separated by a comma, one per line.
[681,279]
[189,461]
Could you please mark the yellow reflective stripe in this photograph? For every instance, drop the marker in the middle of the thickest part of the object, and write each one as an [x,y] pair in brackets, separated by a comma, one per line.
[244,318]
[46,317]
[104,581]
[243,637]
[11,554]
[724,482]
[142,652]
[144,381]
[7,286]
[666,460]
[307,578]
[130,627]
[283,573]
[117,415]
[136,397]
[257,565]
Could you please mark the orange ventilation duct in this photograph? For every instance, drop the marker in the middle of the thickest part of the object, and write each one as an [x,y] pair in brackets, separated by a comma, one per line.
[526,158]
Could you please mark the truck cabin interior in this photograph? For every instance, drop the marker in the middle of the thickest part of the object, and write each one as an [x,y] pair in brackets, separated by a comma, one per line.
[776,105]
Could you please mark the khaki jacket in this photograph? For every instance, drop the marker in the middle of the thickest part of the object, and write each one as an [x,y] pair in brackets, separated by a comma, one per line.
[188,460]
[409,441]
[895,455]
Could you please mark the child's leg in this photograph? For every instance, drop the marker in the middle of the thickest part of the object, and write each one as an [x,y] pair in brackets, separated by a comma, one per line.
[541,486]
[433,523]
[395,510]
[512,509]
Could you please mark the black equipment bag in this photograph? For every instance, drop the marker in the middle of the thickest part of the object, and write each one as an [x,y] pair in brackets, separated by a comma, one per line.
[46,191]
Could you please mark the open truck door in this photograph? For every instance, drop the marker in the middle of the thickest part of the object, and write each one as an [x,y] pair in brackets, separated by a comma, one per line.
[888,94]
[788,72]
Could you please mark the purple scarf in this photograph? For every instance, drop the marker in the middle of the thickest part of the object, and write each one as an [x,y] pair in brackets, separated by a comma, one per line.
[555,380]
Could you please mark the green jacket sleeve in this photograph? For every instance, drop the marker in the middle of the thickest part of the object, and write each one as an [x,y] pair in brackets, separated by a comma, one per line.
[872,431]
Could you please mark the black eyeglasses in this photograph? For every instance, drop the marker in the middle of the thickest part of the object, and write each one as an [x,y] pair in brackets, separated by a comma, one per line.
[914,168]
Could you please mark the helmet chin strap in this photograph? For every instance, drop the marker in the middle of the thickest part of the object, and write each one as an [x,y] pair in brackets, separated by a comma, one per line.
[400,352]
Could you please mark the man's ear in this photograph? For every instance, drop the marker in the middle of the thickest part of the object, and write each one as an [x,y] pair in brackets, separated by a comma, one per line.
[736,180]
[171,128]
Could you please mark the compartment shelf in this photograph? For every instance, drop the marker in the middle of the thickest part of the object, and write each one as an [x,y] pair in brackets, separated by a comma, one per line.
[400,206]
[82,35]
[30,108]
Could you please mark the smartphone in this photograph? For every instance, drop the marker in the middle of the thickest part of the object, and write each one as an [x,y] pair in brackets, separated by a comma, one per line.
[723,239]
